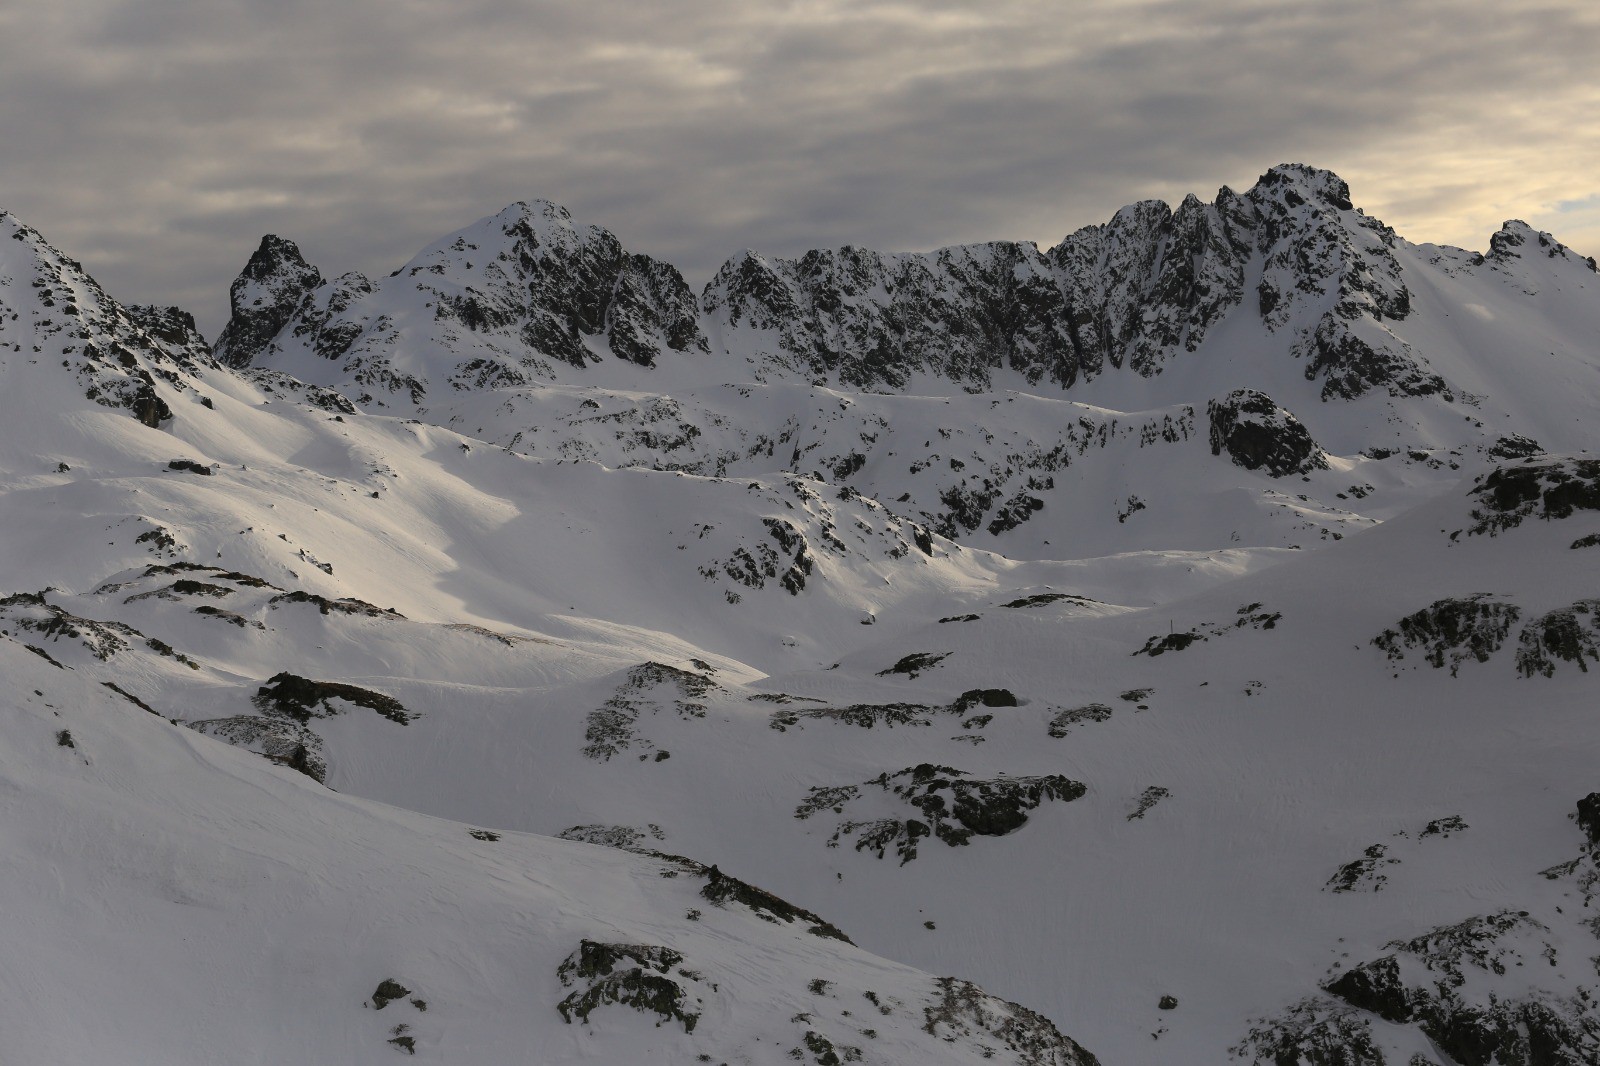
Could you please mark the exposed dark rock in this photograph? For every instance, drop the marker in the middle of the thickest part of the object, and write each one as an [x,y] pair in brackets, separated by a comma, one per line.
[1589,816]
[342,605]
[964,1009]
[1313,1032]
[280,739]
[1568,634]
[721,889]
[863,715]
[606,976]
[131,698]
[149,408]
[1447,982]
[302,699]
[915,664]
[983,697]
[610,836]
[1362,874]
[1543,490]
[277,383]
[1352,365]
[1015,511]
[1257,434]
[874,320]
[1452,631]
[173,327]
[1040,599]
[1170,642]
[264,298]
[1148,799]
[29,611]
[953,807]
[1443,827]
[1065,720]
[387,992]
[1515,446]
[611,727]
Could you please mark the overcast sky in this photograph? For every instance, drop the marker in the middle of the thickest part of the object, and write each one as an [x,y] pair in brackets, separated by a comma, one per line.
[156,140]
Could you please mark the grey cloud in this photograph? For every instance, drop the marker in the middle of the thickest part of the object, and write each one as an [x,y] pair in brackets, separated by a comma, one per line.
[157,139]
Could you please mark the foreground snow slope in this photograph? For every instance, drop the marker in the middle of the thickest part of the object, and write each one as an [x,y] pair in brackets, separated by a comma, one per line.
[171,899]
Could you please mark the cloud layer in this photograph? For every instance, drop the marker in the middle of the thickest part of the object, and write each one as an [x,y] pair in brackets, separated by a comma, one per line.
[156,140]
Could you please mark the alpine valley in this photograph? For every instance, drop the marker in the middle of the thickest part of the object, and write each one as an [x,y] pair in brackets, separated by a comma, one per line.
[1169,647]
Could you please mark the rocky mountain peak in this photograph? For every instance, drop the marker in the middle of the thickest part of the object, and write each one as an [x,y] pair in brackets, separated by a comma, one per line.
[263,299]
[121,357]
[1296,183]
[1516,238]
[498,303]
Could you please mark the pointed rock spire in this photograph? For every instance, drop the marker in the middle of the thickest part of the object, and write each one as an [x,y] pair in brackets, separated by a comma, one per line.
[264,297]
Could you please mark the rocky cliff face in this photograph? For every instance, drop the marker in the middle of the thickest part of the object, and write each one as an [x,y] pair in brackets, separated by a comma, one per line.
[528,294]
[1135,293]
[869,320]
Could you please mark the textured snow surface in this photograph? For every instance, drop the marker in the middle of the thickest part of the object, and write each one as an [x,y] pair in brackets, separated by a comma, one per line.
[1242,665]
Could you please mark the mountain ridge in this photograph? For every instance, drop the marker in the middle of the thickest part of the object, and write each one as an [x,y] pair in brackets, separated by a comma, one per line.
[1131,292]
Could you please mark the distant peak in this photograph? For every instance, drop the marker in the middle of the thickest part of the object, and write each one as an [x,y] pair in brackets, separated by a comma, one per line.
[1515,234]
[530,209]
[1309,182]
[276,256]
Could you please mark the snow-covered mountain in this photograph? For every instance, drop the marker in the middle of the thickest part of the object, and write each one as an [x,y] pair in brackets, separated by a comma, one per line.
[1173,644]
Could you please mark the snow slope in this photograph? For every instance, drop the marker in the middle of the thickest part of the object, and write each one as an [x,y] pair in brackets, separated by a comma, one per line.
[1195,676]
